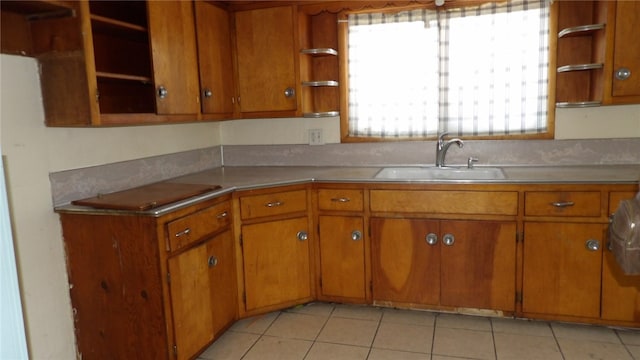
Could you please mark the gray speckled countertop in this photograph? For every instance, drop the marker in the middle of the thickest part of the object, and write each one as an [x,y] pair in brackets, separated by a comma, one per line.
[249,177]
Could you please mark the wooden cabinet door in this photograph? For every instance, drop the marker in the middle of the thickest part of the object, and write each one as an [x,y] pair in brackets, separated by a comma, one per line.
[190,299]
[626,53]
[561,274]
[342,259]
[620,292]
[266,54]
[276,263]
[478,270]
[174,55]
[223,281]
[405,268]
[215,59]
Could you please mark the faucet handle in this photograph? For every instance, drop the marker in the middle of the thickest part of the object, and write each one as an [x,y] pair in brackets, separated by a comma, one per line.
[471,161]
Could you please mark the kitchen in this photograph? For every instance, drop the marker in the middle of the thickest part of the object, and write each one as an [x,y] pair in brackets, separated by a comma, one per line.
[33,151]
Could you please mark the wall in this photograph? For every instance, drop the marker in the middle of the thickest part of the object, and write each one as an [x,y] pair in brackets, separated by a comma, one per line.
[606,122]
[32,152]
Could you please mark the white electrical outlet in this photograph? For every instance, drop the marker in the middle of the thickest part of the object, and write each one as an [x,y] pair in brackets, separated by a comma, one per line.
[315,137]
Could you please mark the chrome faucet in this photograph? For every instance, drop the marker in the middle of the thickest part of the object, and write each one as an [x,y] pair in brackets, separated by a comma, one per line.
[442,147]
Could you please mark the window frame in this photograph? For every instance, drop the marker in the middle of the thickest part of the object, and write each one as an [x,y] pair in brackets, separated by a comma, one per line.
[343,46]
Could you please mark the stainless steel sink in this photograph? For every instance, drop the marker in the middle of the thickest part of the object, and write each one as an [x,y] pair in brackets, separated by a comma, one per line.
[441,173]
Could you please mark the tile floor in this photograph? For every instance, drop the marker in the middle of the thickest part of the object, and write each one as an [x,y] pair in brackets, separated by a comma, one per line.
[335,332]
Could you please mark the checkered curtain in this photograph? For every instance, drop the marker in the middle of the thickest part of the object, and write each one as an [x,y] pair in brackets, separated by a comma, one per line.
[467,71]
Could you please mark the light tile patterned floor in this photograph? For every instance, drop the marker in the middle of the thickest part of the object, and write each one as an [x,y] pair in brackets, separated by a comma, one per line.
[321,331]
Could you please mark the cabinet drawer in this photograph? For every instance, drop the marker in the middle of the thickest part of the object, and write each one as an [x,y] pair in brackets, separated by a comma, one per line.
[340,199]
[255,206]
[194,227]
[562,203]
[446,202]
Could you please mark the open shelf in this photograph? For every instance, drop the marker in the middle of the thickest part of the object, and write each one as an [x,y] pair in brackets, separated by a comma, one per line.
[581,30]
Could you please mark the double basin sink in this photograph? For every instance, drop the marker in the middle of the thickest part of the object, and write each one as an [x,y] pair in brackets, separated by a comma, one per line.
[441,173]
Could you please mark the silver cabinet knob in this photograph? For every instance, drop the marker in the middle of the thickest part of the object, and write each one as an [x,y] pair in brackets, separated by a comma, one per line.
[162,92]
[592,245]
[289,92]
[356,235]
[623,73]
[213,261]
[448,239]
[302,235]
[207,93]
[431,239]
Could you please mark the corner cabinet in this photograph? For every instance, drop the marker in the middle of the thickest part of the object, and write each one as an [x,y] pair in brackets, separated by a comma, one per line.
[151,287]
[124,63]
[274,239]
[597,55]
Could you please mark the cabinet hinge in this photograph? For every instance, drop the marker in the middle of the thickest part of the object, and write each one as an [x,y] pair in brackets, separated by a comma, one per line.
[175,350]
[519,237]
[519,297]
[168,278]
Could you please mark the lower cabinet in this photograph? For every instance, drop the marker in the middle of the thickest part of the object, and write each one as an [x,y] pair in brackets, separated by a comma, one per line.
[562,268]
[449,263]
[146,287]
[342,257]
[620,292]
[276,263]
[203,293]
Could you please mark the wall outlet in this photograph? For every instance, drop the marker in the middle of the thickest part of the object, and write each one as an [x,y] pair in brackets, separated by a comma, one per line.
[315,137]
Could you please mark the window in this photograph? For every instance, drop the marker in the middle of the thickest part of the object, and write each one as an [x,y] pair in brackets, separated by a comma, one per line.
[479,71]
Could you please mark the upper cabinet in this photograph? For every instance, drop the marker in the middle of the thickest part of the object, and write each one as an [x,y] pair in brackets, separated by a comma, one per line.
[598,59]
[266,61]
[175,63]
[213,31]
[625,58]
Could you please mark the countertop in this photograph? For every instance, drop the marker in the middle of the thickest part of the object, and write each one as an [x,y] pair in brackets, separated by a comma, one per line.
[243,178]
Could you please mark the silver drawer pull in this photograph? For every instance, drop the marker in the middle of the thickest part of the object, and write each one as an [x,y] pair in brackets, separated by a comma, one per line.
[341,200]
[561,204]
[183,232]
[274,204]
[222,215]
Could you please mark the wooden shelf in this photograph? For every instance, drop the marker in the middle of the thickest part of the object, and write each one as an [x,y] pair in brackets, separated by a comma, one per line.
[115,76]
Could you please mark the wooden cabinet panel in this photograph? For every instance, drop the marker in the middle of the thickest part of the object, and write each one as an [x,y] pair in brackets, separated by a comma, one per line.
[405,268]
[562,203]
[194,227]
[276,263]
[627,52]
[615,197]
[215,60]
[223,281]
[561,275]
[256,206]
[341,199]
[175,63]
[445,202]
[266,52]
[620,292]
[190,299]
[342,256]
[479,269]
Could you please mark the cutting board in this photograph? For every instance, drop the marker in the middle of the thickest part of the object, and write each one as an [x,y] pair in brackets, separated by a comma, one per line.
[146,197]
